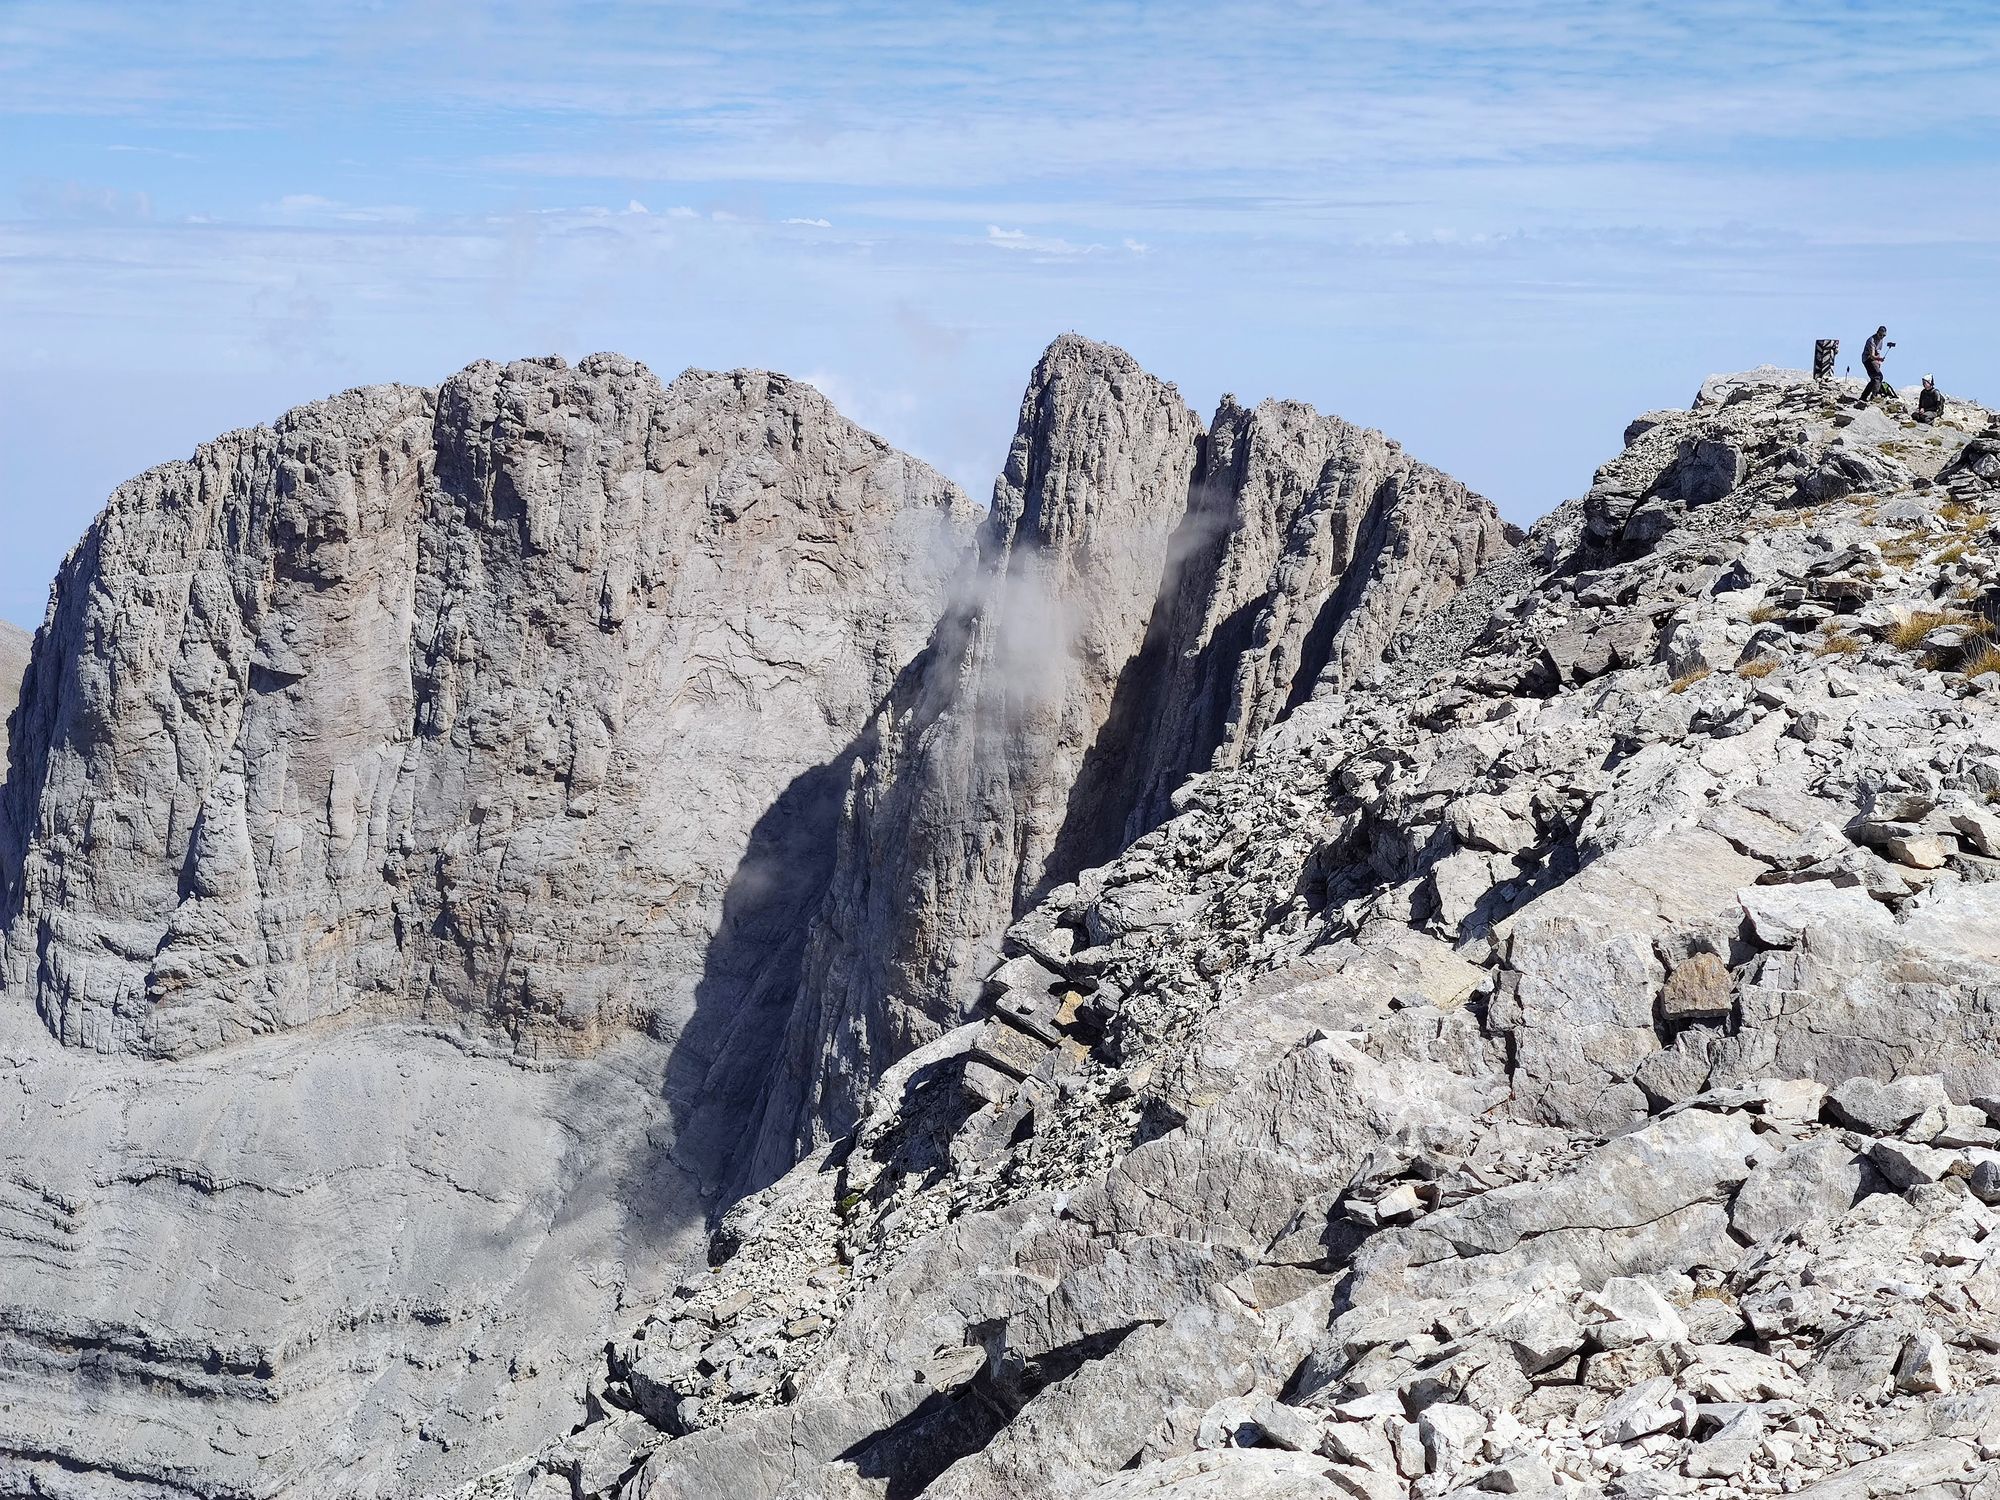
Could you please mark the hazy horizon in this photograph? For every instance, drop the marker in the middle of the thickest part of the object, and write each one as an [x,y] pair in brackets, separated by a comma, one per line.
[1495,235]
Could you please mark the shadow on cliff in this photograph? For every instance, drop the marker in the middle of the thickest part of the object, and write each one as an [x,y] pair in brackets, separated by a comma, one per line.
[721,1085]
[1370,540]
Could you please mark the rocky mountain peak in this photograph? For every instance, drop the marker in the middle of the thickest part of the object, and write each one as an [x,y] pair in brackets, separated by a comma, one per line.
[617,907]
[376,699]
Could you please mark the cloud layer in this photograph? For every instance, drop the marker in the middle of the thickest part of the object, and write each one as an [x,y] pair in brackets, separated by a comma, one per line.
[1494,231]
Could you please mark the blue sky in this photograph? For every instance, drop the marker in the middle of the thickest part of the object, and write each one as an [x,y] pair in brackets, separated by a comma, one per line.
[1495,231]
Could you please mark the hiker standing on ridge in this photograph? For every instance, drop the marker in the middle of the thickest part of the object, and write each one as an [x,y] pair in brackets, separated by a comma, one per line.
[1872,354]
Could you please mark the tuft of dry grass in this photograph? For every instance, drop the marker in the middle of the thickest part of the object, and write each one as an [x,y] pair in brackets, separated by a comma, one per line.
[1951,553]
[1804,515]
[1687,680]
[1763,666]
[1952,511]
[1839,644]
[1764,612]
[1911,632]
[1986,659]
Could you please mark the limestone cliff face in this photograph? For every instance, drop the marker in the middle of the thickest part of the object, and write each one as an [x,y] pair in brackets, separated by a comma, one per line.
[960,790]
[454,839]
[1149,599]
[453,704]
[14,645]
[1310,545]
[402,801]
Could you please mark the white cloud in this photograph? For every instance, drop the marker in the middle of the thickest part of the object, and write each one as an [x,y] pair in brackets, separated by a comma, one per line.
[1043,245]
[153,151]
[811,223]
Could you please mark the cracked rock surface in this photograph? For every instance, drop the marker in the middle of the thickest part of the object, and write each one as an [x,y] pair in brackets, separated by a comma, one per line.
[405,805]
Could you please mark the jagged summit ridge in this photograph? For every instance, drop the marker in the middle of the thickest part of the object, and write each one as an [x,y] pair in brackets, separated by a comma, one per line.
[455,838]
[1147,596]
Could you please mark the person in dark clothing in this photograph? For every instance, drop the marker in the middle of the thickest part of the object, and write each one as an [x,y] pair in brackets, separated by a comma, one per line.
[1872,354]
[1930,402]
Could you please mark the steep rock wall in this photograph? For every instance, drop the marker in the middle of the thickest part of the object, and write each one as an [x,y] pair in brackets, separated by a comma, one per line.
[1309,545]
[1150,598]
[960,788]
[401,800]
[451,703]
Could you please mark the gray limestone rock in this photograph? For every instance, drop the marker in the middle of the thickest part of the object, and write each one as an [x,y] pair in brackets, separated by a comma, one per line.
[436,774]
[382,733]
[1148,600]
[14,647]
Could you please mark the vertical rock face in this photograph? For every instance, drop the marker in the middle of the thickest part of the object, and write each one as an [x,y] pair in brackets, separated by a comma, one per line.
[401,801]
[1150,599]
[1310,544]
[14,645]
[960,793]
[452,704]
[1565,1064]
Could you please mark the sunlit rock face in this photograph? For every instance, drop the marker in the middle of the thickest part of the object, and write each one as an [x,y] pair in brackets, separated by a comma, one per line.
[406,805]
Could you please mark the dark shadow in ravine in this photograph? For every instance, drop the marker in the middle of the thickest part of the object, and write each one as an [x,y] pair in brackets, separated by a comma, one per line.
[955,1424]
[720,1080]
[1358,571]
[1110,803]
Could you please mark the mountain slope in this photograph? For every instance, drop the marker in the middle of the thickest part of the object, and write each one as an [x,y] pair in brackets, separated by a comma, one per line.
[402,801]
[1566,1065]
[456,839]
[1147,598]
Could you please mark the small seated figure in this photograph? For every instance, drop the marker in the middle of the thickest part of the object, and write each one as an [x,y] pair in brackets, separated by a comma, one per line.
[1930,403]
